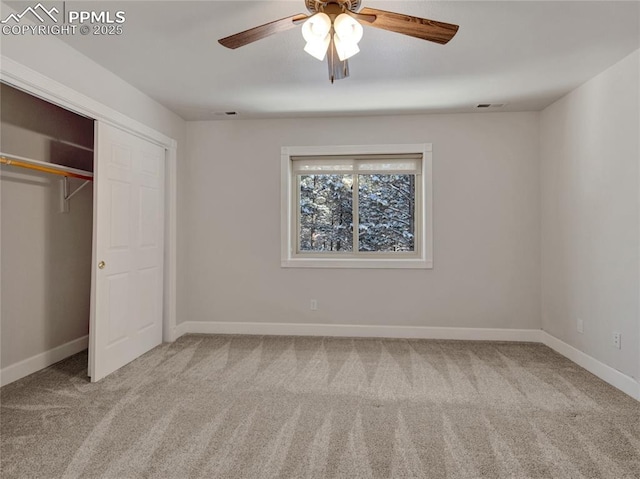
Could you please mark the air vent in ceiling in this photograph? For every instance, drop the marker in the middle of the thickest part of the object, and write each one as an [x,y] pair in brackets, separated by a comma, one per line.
[225,113]
[490,105]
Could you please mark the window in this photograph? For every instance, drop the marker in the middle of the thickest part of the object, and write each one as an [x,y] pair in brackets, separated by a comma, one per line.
[357,206]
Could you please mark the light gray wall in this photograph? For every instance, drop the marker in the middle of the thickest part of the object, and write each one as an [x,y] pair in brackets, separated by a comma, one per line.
[589,176]
[46,255]
[486,225]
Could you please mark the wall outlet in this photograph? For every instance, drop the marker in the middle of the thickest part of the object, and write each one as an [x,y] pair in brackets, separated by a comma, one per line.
[617,340]
[580,326]
[314,305]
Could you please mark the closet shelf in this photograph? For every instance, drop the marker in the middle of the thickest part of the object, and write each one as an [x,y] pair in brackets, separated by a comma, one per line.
[12,160]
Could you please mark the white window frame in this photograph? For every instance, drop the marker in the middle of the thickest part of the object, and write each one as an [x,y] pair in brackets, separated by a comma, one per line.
[423,256]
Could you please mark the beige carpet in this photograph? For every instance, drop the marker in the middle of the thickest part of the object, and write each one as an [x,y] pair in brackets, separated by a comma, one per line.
[261,407]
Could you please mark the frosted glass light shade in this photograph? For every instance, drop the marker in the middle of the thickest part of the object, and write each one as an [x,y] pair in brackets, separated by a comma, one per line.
[315,31]
[348,28]
[316,28]
[345,49]
[318,49]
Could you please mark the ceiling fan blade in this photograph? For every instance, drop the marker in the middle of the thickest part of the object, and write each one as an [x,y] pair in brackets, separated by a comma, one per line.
[423,28]
[258,33]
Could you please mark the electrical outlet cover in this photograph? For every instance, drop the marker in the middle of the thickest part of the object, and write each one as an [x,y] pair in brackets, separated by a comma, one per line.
[617,340]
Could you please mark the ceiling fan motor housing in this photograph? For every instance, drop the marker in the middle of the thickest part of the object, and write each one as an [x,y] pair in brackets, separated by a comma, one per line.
[315,6]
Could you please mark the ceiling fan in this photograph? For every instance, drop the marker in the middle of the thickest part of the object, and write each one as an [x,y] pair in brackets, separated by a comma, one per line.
[334,28]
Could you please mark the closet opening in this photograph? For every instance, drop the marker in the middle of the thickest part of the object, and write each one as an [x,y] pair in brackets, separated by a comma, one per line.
[46,221]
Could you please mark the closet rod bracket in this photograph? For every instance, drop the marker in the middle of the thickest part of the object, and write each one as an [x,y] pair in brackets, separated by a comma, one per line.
[67,194]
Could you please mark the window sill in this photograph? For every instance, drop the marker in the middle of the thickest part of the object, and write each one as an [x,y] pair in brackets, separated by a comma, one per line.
[355,263]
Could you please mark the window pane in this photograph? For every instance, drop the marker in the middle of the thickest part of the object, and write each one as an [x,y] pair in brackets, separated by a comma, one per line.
[386,212]
[326,213]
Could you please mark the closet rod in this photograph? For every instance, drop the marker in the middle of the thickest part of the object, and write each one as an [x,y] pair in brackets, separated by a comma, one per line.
[12,160]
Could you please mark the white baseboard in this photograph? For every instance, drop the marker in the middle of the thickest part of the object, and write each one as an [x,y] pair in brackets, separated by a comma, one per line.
[40,361]
[181,329]
[612,376]
[608,374]
[352,330]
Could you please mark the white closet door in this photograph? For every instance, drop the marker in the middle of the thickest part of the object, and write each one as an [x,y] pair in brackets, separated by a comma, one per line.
[128,243]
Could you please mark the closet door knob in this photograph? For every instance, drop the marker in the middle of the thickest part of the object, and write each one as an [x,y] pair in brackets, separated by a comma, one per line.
[101,264]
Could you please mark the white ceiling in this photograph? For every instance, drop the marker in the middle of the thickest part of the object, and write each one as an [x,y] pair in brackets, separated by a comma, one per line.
[523,53]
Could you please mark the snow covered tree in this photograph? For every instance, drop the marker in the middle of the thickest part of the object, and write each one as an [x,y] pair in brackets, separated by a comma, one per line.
[385,216]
